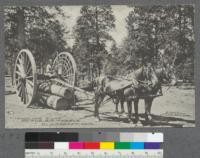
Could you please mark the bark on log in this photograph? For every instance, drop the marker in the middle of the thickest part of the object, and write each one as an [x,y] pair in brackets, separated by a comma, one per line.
[56,102]
[70,86]
[48,87]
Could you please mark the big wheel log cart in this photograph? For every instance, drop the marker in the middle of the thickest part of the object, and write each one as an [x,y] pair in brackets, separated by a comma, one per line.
[56,90]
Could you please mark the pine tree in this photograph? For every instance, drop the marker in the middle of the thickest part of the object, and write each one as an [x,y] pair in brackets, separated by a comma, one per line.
[91,34]
[152,29]
[33,28]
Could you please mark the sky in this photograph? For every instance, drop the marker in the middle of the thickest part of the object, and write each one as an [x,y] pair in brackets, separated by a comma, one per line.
[118,33]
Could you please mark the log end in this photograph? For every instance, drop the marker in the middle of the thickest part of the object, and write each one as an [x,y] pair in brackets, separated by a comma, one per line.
[57,103]
[64,104]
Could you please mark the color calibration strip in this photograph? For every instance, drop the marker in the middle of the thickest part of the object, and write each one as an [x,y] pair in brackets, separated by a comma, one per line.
[82,145]
[107,145]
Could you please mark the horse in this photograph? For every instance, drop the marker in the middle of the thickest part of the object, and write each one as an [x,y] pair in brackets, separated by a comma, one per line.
[134,93]
[114,88]
[166,74]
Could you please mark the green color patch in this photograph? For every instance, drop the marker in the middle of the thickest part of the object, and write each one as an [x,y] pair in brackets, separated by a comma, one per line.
[122,145]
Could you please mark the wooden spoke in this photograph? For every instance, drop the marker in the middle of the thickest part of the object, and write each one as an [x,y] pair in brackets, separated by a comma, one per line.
[29,89]
[29,71]
[69,70]
[26,62]
[17,81]
[22,98]
[19,85]
[71,75]
[20,91]
[29,77]
[30,83]
[23,62]
[19,68]
[28,65]
[26,95]
[63,69]
[20,60]
[19,73]
[68,80]
[21,65]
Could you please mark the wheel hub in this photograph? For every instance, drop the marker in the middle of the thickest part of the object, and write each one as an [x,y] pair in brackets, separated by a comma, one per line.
[23,80]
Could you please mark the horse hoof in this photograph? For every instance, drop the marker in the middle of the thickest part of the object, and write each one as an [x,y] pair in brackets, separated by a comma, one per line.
[130,120]
[123,115]
[116,115]
[97,119]
[116,111]
[138,123]
[148,118]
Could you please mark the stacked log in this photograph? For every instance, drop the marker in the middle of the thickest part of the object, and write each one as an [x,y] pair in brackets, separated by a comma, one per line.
[55,96]
[52,88]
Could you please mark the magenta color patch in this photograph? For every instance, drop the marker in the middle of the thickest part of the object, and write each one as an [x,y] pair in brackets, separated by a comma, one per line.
[76,145]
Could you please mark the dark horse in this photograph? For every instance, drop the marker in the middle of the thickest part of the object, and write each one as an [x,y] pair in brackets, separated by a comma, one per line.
[116,88]
[134,93]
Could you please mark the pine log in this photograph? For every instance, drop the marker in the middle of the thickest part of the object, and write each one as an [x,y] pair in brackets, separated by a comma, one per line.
[53,89]
[55,102]
[70,86]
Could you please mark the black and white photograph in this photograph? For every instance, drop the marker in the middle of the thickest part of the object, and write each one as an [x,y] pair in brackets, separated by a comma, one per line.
[105,66]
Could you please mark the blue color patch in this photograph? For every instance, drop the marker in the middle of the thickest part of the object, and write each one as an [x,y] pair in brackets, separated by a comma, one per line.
[137,145]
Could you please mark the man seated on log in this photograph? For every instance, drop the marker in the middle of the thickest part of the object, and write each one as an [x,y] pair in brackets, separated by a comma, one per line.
[49,70]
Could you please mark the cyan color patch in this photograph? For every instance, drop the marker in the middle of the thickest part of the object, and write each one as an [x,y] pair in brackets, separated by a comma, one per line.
[137,145]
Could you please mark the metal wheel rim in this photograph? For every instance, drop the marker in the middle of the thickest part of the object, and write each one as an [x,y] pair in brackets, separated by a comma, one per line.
[25,77]
[68,64]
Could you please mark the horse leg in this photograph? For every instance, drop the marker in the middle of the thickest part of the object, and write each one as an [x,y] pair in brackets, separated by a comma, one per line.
[136,101]
[129,107]
[98,100]
[122,105]
[148,102]
[149,107]
[116,105]
[96,108]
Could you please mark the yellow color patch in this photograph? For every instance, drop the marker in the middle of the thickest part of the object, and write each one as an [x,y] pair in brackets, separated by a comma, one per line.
[107,145]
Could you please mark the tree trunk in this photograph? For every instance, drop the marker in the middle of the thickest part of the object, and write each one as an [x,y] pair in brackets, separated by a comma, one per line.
[21,37]
[180,24]
[21,27]
[97,30]
[97,38]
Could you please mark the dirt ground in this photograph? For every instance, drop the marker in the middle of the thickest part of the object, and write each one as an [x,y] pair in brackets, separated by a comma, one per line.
[176,108]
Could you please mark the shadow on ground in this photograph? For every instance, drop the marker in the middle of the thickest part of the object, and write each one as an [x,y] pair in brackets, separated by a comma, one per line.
[157,120]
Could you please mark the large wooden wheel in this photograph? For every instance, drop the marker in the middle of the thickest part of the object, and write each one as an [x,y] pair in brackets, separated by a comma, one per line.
[25,76]
[65,66]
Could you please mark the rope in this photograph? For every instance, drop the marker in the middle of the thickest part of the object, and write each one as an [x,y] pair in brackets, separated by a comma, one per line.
[106,101]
